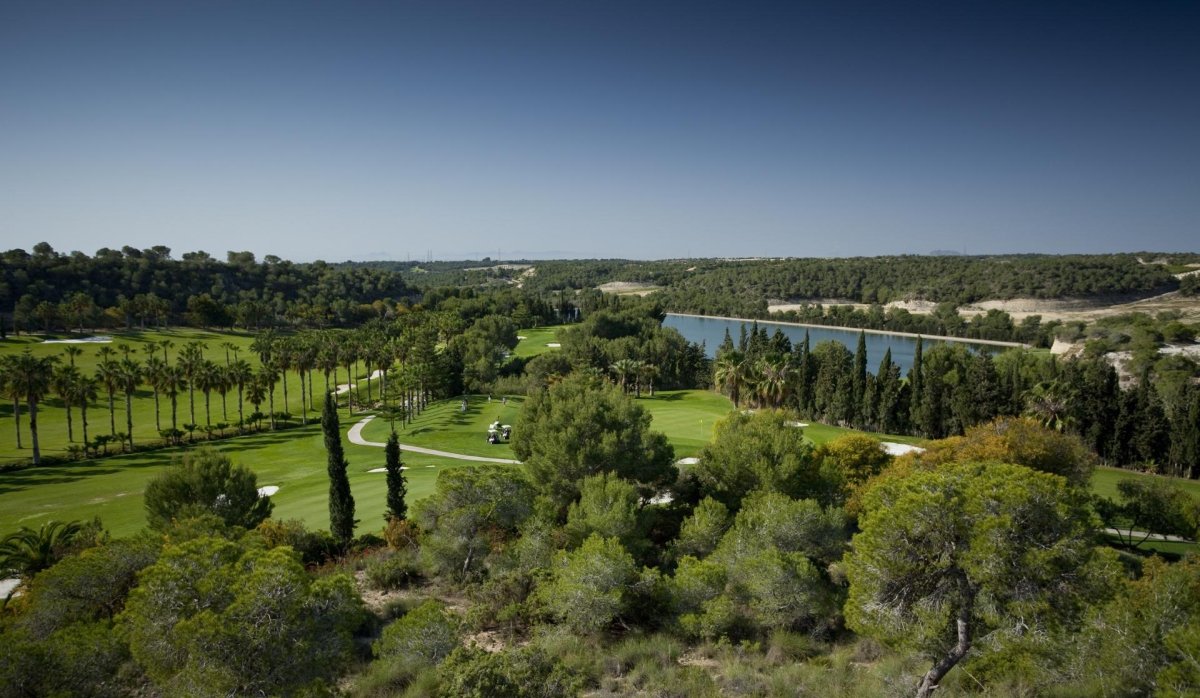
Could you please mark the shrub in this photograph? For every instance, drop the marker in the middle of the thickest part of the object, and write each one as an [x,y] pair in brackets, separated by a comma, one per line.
[393,569]
[427,634]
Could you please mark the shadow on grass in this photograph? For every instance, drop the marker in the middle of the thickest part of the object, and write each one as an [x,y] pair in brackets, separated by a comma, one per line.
[666,397]
[63,473]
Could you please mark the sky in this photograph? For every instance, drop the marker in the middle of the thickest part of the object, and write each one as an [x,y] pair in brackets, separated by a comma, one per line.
[459,130]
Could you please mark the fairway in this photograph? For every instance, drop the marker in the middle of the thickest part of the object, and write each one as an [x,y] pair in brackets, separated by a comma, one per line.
[52,419]
[294,461]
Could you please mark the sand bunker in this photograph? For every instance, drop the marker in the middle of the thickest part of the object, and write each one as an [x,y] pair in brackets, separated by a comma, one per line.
[98,339]
[268,490]
[895,449]
[384,470]
[687,461]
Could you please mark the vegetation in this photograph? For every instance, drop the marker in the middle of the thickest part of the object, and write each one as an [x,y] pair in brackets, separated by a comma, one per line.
[793,555]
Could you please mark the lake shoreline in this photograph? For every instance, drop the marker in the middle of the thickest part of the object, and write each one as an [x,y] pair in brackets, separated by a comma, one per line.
[936,337]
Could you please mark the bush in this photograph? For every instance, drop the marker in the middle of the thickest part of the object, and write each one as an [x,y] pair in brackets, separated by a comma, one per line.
[393,569]
[314,547]
[426,634]
[402,533]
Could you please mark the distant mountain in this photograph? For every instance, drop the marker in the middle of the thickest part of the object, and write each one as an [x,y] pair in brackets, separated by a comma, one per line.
[945,253]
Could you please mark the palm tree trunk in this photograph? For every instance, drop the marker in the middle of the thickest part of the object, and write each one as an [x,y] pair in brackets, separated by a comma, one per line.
[157,419]
[207,413]
[174,410]
[224,408]
[285,390]
[303,405]
[112,414]
[192,402]
[271,404]
[17,417]
[70,422]
[33,435]
[241,418]
[129,417]
[83,420]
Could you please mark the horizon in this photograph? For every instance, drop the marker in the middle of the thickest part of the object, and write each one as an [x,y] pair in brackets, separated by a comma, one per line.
[548,131]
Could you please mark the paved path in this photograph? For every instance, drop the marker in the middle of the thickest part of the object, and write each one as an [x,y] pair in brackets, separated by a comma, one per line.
[1147,536]
[355,436]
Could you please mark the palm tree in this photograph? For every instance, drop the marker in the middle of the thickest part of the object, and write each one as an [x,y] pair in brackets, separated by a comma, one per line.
[190,358]
[622,368]
[30,551]
[130,376]
[729,374]
[108,373]
[166,344]
[171,382]
[72,352]
[84,391]
[240,374]
[268,374]
[327,357]
[28,379]
[775,381]
[349,354]
[6,369]
[647,372]
[63,382]
[152,374]
[207,377]
[256,392]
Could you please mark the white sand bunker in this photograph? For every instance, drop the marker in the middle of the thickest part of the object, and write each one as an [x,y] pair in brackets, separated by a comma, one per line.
[7,585]
[796,424]
[384,470]
[895,449]
[687,461]
[553,345]
[98,339]
[519,337]
[268,490]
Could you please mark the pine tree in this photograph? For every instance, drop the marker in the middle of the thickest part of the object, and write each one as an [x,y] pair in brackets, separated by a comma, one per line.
[397,488]
[341,502]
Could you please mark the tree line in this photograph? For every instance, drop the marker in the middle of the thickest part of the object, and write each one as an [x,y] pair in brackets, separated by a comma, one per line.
[46,290]
[950,389]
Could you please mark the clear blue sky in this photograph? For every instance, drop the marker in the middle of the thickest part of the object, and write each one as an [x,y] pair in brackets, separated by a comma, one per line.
[387,130]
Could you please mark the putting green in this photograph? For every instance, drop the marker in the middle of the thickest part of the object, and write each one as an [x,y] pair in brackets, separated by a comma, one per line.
[536,340]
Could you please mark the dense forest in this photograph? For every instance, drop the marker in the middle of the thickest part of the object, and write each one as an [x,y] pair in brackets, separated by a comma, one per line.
[49,290]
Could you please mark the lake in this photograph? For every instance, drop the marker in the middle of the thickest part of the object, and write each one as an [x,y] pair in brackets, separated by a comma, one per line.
[711,331]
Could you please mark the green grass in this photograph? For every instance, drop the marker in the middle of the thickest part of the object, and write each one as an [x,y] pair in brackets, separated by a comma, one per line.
[686,417]
[536,340]
[293,460]
[52,420]
[444,427]
[1104,481]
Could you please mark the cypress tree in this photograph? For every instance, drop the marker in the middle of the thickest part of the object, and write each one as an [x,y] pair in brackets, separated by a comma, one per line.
[341,502]
[396,486]
[916,382]
[858,384]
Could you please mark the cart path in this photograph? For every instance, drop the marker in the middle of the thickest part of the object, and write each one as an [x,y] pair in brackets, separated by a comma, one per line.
[355,436]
